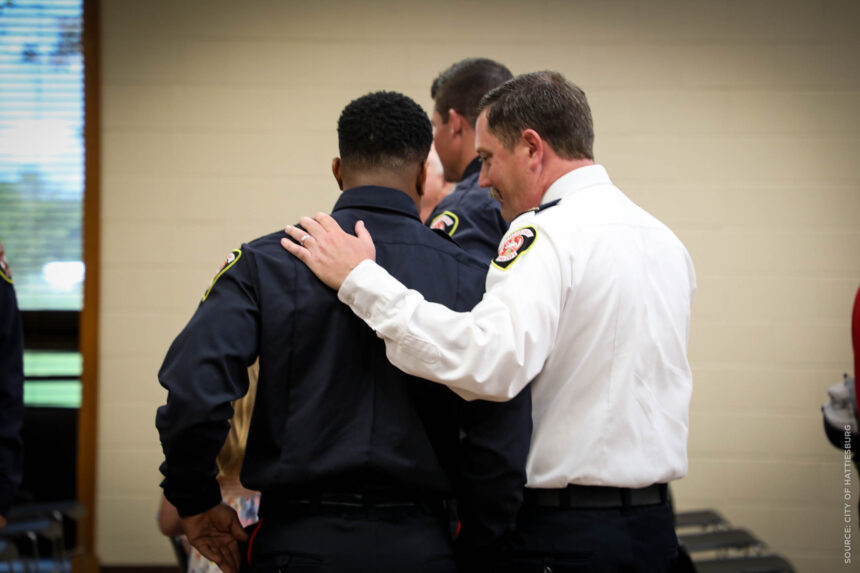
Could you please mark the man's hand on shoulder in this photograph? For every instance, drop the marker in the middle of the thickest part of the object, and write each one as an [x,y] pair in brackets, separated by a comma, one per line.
[215,533]
[328,250]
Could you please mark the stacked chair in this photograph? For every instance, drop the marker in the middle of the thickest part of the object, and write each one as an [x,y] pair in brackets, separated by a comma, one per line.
[39,537]
[716,546]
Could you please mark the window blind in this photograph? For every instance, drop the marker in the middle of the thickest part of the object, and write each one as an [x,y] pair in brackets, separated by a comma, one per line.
[42,150]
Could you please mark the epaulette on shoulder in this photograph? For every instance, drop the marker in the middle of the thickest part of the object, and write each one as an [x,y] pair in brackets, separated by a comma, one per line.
[542,207]
[546,206]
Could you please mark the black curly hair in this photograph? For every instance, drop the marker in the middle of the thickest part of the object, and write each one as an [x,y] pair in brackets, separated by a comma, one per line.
[383,129]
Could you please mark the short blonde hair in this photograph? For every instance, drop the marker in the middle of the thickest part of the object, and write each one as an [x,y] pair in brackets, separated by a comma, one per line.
[233,452]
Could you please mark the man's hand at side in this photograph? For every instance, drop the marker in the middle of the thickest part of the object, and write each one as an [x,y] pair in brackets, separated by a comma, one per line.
[328,250]
[215,533]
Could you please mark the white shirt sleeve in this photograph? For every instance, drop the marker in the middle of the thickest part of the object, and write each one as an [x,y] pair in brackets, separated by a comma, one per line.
[491,352]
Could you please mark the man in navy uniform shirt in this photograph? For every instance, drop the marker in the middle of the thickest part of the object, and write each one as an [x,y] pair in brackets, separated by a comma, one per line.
[355,460]
[468,214]
[11,389]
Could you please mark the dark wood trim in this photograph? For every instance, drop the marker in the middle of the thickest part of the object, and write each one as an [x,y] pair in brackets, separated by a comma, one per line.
[90,313]
[51,329]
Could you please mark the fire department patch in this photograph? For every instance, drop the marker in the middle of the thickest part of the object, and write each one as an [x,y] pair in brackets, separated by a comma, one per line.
[513,246]
[231,260]
[5,271]
[445,221]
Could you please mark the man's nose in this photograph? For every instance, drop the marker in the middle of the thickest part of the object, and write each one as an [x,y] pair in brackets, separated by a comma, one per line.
[484,178]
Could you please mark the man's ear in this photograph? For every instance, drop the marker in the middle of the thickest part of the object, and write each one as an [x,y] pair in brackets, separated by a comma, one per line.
[455,121]
[335,170]
[422,178]
[533,144]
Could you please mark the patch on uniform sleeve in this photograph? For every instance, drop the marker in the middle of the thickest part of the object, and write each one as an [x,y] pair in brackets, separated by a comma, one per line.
[5,271]
[513,246]
[445,221]
[231,260]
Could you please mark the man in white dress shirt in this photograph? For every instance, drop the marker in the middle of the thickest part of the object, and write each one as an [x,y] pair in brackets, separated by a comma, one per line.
[588,300]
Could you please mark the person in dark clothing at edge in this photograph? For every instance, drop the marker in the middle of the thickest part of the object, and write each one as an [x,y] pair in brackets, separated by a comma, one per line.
[468,214]
[11,390]
[354,459]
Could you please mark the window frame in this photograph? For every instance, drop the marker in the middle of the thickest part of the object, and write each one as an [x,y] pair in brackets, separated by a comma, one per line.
[89,315]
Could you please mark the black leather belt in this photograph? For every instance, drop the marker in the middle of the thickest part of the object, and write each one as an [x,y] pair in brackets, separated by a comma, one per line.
[592,496]
[345,501]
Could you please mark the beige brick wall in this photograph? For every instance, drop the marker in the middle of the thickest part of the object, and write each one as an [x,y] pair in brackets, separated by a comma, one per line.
[736,122]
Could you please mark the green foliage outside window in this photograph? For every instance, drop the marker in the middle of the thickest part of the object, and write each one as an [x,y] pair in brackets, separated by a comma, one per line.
[40,228]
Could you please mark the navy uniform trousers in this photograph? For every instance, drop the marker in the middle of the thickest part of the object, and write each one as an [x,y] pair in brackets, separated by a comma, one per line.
[340,538]
[630,537]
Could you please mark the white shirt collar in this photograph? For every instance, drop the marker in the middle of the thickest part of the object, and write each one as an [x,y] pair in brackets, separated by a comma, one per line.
[576,180]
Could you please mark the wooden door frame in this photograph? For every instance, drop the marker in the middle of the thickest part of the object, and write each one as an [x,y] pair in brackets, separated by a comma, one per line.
[89,339]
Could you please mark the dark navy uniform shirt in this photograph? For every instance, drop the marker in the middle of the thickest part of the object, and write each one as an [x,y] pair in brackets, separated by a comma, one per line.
[331,413]
[11,388]
[471,217]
